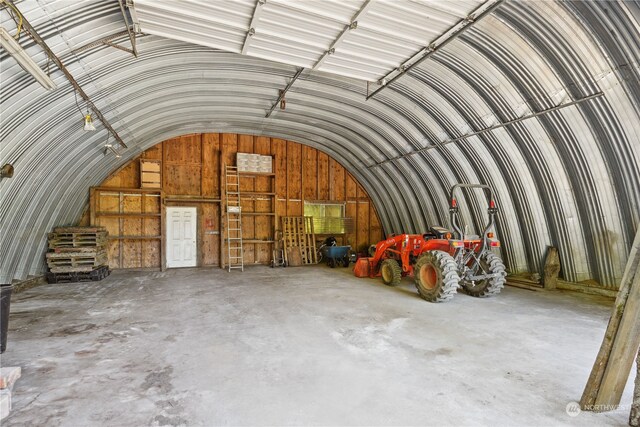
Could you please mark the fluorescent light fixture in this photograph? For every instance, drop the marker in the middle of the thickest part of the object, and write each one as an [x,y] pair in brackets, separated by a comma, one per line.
[24,60]
[113,150]
[88,123]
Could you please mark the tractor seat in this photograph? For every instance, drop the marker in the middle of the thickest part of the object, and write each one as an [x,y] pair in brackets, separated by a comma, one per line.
[439,232]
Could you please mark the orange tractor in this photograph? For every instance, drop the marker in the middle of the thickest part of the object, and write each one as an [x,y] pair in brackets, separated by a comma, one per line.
[440,261]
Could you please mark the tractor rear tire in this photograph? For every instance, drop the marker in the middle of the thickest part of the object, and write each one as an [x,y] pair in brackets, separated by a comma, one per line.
[488,287]
[391,272]
[436,276]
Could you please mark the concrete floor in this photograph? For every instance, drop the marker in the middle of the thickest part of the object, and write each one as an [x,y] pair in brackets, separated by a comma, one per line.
[297,346]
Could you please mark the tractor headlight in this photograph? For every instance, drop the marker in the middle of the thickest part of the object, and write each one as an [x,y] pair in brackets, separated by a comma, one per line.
[456,243]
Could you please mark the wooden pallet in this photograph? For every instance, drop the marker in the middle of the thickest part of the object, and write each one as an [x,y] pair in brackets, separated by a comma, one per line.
[74,239]
[77,250]
[82,249]
[93,275]
[73,230]
[76,261]
[297,231]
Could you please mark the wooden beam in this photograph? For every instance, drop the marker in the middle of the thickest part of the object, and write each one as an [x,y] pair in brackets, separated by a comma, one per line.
[563,285]
[163,232]
[551,268]
[623,352]
[92,206]
[634,417]
[143,228]
[613,364]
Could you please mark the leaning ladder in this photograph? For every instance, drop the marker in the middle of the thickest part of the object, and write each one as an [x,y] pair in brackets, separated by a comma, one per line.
[234,219]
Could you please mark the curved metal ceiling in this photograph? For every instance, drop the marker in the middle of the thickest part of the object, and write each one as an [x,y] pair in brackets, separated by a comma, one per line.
[569,177]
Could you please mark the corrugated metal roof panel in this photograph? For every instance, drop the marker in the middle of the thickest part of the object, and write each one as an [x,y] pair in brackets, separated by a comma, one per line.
[299,33]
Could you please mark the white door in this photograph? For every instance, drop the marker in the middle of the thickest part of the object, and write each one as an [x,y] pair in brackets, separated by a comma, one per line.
[181,237]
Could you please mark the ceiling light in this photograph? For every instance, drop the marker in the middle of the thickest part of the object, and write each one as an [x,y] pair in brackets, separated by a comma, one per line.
[24,60]
[109,147]
[88,123]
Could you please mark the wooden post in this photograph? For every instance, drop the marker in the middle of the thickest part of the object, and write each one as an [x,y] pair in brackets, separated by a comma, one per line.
[634,417]
[163,210]
[223,200]
[624,350]
[143,228]
[620,344]
[551,268]
[163,232]
[92,206]
[120,230]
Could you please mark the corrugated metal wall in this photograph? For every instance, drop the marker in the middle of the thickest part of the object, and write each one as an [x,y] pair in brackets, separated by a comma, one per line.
[568,178]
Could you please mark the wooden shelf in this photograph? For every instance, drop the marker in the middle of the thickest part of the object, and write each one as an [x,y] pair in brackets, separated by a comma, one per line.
[111,205]
[255,193]
[192,199]
[129,215]
[127,190]
[256,174]
[252,199]
[259,213]
[135,237]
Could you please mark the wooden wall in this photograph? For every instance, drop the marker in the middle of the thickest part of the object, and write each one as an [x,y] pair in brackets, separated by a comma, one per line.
[192,176]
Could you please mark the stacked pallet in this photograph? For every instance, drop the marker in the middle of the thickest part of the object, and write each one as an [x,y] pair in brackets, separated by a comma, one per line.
[77,254]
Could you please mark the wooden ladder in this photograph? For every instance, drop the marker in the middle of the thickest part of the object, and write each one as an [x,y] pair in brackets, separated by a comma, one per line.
[234,219]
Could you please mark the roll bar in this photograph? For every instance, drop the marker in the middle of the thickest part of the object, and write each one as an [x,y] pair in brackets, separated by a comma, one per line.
[454,212]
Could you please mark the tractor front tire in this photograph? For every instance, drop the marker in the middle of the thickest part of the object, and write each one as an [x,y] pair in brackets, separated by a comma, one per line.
[492,264]
[391,272]
[436,276]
